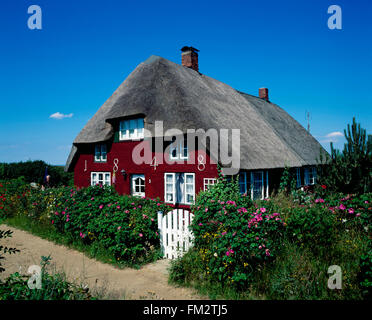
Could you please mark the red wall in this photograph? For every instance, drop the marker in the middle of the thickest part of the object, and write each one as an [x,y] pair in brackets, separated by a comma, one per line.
[123,152]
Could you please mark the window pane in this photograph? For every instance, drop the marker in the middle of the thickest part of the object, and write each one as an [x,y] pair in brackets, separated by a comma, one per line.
[169,178]
[189,179]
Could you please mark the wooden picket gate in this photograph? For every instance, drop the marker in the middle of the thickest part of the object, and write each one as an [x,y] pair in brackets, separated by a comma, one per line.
[175,236]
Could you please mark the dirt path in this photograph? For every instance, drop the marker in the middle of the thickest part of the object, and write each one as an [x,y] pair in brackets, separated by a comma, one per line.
[150,282]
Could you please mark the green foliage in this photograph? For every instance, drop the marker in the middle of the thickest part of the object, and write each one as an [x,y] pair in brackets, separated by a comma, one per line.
[349,171]
[54,287]
[287,181]
[365,274]
[126,226]
[3,249]
[34,171]
[312,226]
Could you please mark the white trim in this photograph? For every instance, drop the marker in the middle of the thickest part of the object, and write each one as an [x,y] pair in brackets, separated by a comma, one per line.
[192,194]
[136,125]
[133,178]
[106,178]
[173,193]
[262,183]
[102,149]
[179,150]
[208,182]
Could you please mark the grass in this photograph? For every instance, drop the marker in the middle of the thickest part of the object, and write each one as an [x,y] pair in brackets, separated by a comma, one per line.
[46,231]
[296,274]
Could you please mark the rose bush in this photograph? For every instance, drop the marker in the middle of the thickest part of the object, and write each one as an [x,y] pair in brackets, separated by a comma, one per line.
[126,226]
[232,236]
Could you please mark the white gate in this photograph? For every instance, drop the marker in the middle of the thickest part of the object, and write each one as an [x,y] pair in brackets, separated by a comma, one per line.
[175,236]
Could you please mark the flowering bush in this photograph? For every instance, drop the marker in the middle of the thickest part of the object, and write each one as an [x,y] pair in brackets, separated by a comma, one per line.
[232,236]
[312,226]
[13,196]
[125,225]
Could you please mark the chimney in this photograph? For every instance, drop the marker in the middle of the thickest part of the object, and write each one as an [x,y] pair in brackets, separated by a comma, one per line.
[263,93]
[190,58]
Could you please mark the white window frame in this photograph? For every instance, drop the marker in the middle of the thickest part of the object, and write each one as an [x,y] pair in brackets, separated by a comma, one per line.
[262,182]
[192,193]
[298,178]
[106,178]
[180,149]
[137,125]
[133,183]
[310,176]
[102,150]
[208,182]
[173,192]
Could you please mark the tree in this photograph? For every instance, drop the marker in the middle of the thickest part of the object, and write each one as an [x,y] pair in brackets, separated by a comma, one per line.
[350,171]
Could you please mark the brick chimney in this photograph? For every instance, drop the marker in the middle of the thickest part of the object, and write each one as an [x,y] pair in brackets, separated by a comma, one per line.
[190,58]
[263,93]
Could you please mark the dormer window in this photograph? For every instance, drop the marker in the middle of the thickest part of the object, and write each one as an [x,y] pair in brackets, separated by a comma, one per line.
[179,150]
[132,129]
[100,153]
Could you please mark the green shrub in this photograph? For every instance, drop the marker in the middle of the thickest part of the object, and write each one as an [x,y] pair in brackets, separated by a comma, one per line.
[54,287]
[312,226]
[127,226]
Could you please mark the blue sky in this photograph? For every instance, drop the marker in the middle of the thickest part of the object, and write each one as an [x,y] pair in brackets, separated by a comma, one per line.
[87,48]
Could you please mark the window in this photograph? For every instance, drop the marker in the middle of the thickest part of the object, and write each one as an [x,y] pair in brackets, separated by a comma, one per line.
[209,182]
[243,182]
[257,185]
[179,150]
[179,188]
[138,185]
[100,153]
[310,176]
[103,178]
[298,178]
[131,129]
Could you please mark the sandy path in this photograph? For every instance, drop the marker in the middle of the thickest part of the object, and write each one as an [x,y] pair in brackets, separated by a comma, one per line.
[150,282]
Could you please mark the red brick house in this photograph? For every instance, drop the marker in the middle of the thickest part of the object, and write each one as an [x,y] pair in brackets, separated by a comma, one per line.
[183,98]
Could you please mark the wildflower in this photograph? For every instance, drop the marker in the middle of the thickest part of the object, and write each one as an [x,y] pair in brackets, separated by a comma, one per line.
[52,221]
[324,186]
[223,233]
[119,227]
[351,210]
[101,206]
[118,207]
[342,207]
[200,224]
[263,210]
[206,209]
[357,215]
[141,235]
[215,254]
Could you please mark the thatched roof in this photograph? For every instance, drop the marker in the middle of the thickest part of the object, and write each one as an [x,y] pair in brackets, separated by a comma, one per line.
[183,98]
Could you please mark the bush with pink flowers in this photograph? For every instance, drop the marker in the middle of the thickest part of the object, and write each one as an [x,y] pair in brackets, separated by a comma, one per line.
[126,226]
[232,236]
